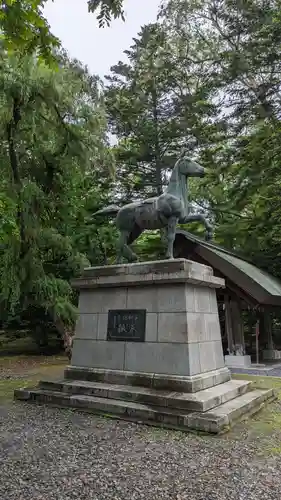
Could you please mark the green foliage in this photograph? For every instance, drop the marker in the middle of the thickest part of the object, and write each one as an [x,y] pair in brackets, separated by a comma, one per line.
[25,29]
[206,80]
[107,9]
[255,195]
[54,153]
[150,246]
[236,48]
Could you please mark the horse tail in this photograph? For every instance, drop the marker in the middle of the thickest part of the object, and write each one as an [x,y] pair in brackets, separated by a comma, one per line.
[109,211]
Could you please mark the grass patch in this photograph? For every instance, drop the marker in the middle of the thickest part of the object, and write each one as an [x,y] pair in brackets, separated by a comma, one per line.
[24,362]
[7,388]
[27,371]
[260,382]
[265,426]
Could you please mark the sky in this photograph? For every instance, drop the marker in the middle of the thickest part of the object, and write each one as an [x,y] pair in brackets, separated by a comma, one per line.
[98,48]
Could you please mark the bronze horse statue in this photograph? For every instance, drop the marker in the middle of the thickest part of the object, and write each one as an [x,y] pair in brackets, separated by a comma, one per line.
[160,212]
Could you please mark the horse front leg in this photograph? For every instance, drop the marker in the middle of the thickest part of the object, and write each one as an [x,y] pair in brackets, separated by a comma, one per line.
[170,235]
[201,218]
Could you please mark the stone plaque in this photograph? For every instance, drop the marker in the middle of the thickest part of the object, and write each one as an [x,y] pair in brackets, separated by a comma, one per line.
[126,325]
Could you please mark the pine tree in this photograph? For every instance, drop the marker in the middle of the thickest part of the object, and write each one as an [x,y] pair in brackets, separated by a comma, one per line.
[237,47]
[156,110]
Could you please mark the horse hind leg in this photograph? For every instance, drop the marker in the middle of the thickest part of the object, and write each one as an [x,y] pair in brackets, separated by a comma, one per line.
[121,243]
[171,233]
[134,234]
[123,250]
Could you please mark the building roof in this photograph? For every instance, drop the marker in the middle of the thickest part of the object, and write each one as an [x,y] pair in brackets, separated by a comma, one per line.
[256,283]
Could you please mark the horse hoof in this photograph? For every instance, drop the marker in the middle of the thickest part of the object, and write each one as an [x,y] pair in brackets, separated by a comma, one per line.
[134,259]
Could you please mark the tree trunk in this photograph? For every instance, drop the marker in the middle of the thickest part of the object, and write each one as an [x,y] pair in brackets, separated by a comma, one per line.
[66,335]
[11,130]
[14,162]
[157,152]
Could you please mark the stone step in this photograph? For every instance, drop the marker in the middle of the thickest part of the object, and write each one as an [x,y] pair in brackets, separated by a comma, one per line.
[200,401]
[225,415]
[216,420]
[175,383]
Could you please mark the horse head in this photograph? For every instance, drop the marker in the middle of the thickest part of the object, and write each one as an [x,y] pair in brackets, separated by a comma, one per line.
[189,168]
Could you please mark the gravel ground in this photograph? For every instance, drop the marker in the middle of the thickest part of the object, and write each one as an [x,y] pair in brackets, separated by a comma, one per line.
[48,453]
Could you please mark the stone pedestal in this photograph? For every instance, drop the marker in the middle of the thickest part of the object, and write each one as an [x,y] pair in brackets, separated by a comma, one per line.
[238,361]
[148,348]
[181,335]
[271,354]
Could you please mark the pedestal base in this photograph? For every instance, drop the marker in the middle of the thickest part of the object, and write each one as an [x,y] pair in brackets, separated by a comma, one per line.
[238,361]
[209,410]
[148,348]
[152,380]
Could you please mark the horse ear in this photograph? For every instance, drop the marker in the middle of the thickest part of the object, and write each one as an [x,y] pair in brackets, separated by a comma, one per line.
[183,153]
